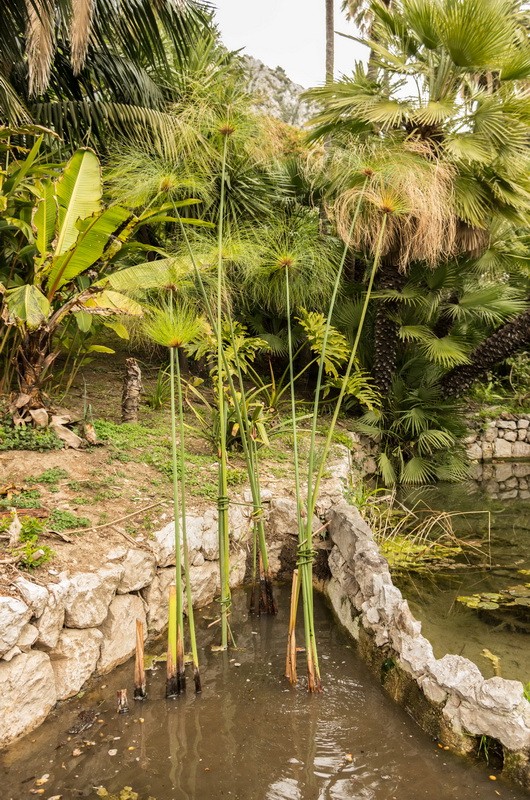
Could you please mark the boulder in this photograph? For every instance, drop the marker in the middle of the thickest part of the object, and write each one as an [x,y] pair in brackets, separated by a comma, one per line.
[156,597]
[205,583]
[14,614]
[33,595]
[139,569]
[28,694]
[51,621]
[457,674]
[500,694]
[28,636]
[74,659]
[119,631]
[89,596]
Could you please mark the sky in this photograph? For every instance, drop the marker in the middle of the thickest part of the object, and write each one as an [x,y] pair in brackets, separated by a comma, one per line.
[289,34]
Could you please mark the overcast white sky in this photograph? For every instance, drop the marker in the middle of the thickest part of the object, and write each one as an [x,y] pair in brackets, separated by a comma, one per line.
[287,33]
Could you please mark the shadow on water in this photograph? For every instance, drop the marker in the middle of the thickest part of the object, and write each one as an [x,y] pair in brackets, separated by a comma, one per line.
[248,736]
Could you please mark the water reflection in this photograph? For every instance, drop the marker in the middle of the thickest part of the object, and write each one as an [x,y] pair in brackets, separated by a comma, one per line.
[249,736]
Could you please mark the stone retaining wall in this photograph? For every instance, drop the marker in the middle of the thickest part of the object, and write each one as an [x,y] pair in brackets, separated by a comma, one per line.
[503,480]
[53,637]
[506,437]
[448,697]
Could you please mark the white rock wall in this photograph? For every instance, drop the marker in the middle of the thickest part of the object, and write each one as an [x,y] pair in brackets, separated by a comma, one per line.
[373,610]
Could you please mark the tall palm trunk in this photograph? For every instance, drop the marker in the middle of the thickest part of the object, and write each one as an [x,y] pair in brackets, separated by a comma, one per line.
[505,342]
[386,337]
[330,41]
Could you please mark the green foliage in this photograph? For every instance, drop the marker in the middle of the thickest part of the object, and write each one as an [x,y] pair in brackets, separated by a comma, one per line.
[25,499]
[61,520]
[419,432]
[31,529]
[526,691]
[32,555]
[160,394]
[50,476]
[25,437]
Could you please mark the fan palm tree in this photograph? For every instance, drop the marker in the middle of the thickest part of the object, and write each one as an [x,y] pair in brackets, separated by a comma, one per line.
[444,124]
[83,66]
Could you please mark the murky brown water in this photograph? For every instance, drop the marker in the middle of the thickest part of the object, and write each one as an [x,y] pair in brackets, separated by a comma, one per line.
[248,736]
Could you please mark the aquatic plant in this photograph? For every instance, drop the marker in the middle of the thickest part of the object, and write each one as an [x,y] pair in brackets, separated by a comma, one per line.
[172,325]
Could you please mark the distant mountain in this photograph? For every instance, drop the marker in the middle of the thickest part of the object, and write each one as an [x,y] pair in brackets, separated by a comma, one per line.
[276,94]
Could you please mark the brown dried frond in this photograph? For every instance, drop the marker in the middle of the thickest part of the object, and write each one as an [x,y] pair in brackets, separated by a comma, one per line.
[40,43]
[80,30]
[417,199]
[471,240]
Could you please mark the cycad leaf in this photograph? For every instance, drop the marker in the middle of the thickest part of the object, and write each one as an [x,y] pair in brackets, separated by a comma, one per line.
[79,191]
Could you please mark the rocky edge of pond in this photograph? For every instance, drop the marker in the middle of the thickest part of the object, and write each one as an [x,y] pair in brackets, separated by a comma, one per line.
[54,637]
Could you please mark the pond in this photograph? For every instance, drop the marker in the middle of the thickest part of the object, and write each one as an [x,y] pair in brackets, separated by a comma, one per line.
[450,625]
[248,736]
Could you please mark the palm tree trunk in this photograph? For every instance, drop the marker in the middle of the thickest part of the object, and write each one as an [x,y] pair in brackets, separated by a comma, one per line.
[386,338]
[505,342]
[330,41]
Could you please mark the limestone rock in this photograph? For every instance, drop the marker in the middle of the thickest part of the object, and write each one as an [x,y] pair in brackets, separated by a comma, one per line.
[205,583]
[89,596]
[503,449]
[74,659]
[500,694]
[521,450]
[474,451]
[119,631]
[28,636]
[139,569]
[457,674]
[33,595]
[156,597]
[13,616]
[51,620]
[510,730]
[503,472]
[27,696]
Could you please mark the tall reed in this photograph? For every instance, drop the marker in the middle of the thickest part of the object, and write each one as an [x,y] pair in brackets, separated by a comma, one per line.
[173,325]
[305,525]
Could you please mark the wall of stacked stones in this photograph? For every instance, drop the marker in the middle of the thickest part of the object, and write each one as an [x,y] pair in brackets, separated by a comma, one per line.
[506,437]
[448,697]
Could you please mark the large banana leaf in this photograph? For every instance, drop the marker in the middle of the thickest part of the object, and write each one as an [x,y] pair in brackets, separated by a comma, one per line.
[110,302]
[27,304]
[45,219]
[93,238]
[150,275]
[79,191]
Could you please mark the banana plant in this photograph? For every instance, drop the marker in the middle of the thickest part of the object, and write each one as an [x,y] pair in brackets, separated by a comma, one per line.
[72,243]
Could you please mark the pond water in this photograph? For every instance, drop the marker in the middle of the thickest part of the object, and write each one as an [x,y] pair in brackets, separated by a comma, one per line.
[248,736]
[451,626]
